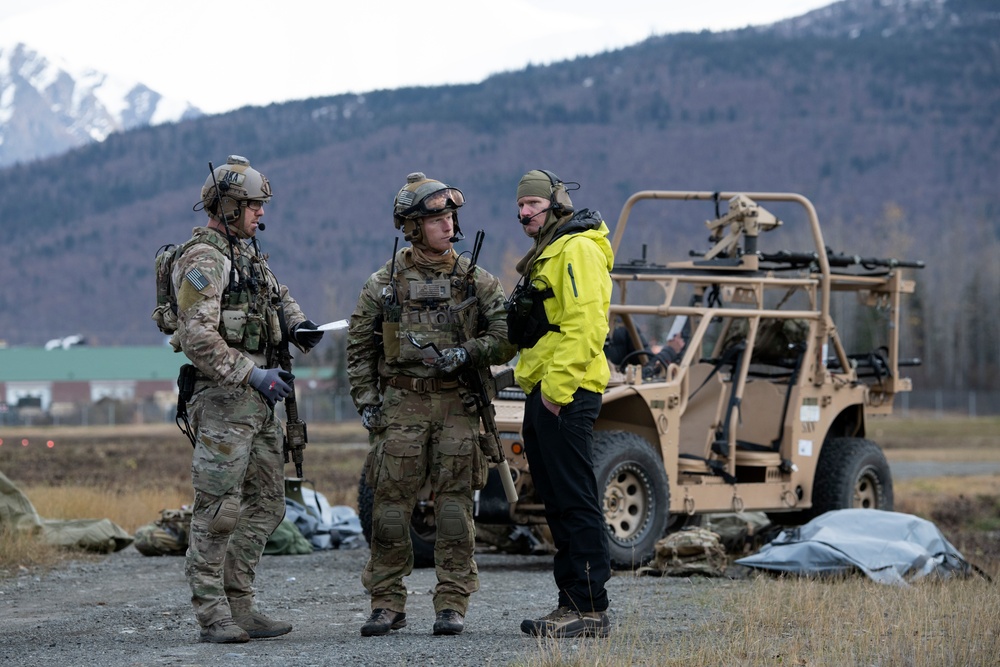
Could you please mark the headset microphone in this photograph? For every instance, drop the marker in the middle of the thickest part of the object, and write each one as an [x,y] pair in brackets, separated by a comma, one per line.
[526,220]
[260,226]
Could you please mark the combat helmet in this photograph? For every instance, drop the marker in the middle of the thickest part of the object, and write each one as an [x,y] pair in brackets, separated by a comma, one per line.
[239,183]
[422,197]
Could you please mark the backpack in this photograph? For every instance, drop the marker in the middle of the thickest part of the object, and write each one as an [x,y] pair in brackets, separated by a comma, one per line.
[165,313]
[693,550]
[167,536]
[777,342]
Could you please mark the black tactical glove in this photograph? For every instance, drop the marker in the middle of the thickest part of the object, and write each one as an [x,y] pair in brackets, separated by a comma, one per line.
[272,383]
[371,415]
[306,339]
[451,360]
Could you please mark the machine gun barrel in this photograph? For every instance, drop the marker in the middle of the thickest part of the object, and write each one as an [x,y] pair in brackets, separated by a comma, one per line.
[839,260]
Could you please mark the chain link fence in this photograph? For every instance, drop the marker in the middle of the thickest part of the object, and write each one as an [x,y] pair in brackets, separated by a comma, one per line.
[332,407]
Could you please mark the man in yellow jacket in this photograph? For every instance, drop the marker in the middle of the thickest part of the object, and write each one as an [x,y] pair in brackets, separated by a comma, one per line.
[558,318]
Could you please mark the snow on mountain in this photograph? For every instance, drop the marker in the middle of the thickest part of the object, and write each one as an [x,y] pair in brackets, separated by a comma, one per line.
[48,107]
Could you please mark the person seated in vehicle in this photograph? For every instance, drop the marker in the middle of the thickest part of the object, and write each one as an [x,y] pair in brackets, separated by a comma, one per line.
[619,349]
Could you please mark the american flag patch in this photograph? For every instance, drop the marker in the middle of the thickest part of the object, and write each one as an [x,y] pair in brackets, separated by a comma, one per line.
[196,278]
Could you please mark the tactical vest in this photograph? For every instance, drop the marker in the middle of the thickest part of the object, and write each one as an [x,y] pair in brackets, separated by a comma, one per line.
[431,311]
[249,310]
[249,313]
[527,320]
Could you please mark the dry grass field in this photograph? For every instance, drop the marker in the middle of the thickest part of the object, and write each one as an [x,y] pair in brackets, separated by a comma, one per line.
[128,474]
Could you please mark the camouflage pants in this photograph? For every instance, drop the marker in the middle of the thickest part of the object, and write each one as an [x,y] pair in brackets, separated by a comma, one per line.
[238,475]
[427,437]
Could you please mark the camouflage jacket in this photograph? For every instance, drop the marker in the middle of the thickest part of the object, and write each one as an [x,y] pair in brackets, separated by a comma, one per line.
[222,338]
[371,332]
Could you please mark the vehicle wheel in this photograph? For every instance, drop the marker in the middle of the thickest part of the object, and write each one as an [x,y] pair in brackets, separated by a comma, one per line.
[635,493]
[851,473]
[422,528]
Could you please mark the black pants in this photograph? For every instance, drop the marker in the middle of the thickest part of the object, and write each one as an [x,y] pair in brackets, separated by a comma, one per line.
[560,457]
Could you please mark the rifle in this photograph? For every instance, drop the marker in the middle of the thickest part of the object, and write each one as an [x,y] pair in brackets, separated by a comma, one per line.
[484,388]
[295,429]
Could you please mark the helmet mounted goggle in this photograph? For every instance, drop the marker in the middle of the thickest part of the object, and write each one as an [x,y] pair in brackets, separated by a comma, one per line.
[419,204]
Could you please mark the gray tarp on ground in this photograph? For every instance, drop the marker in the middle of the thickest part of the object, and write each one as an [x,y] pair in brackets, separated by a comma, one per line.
[326,527]
[889,547]
[92,534]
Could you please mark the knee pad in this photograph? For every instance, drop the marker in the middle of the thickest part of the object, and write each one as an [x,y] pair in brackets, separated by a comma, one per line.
[392,528]
[226,516]
[451,521]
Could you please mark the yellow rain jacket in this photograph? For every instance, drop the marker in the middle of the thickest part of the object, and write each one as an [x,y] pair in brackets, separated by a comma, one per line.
[577,267]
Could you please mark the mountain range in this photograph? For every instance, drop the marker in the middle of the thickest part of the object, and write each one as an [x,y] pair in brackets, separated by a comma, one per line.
[882,112]
[47,107]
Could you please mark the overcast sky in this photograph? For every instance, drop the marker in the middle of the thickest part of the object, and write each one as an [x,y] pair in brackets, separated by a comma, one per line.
[220,55]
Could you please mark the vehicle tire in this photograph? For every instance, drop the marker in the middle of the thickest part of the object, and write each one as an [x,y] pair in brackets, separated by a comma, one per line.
[635,493]
[422,528]
[852,473]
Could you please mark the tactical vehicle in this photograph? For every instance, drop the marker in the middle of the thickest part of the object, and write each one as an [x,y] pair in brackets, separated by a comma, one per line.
[767,408]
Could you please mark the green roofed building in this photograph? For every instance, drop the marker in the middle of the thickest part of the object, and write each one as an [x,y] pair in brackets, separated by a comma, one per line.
[40,378]
[63,384]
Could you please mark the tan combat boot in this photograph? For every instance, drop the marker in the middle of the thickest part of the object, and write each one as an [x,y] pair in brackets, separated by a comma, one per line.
[256,624]
[224,632]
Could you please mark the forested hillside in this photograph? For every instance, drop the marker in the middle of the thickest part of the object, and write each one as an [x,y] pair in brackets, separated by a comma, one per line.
[883,114]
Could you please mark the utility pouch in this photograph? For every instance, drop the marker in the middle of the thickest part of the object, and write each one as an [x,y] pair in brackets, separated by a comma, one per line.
[480,461]
[274,326]
[390,340]
[526,318]
[185,383]
[465,317]
[372,460]
[234,324]
[254,335]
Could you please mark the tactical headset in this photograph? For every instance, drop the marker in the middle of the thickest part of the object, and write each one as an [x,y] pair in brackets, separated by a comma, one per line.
[218,203]
[559,199]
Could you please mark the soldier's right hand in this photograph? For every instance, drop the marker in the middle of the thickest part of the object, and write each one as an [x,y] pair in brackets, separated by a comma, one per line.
[371,416]
[273,383]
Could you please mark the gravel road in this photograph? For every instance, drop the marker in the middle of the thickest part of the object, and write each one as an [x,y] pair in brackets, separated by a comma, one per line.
[128,609]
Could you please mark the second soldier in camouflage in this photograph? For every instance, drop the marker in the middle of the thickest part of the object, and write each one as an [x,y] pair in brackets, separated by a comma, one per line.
[420,320]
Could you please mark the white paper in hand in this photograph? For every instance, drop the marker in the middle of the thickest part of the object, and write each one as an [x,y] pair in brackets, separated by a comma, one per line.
[678,326]
[329,326]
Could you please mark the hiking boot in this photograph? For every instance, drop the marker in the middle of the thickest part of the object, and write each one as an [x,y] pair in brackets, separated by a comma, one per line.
[566,622]
[256,624]
[449,622]
[382,621]
[259,626]
[224,632]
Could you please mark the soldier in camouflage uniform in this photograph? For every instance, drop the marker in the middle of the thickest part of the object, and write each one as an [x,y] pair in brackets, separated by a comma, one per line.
[229,312]
[430,317]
